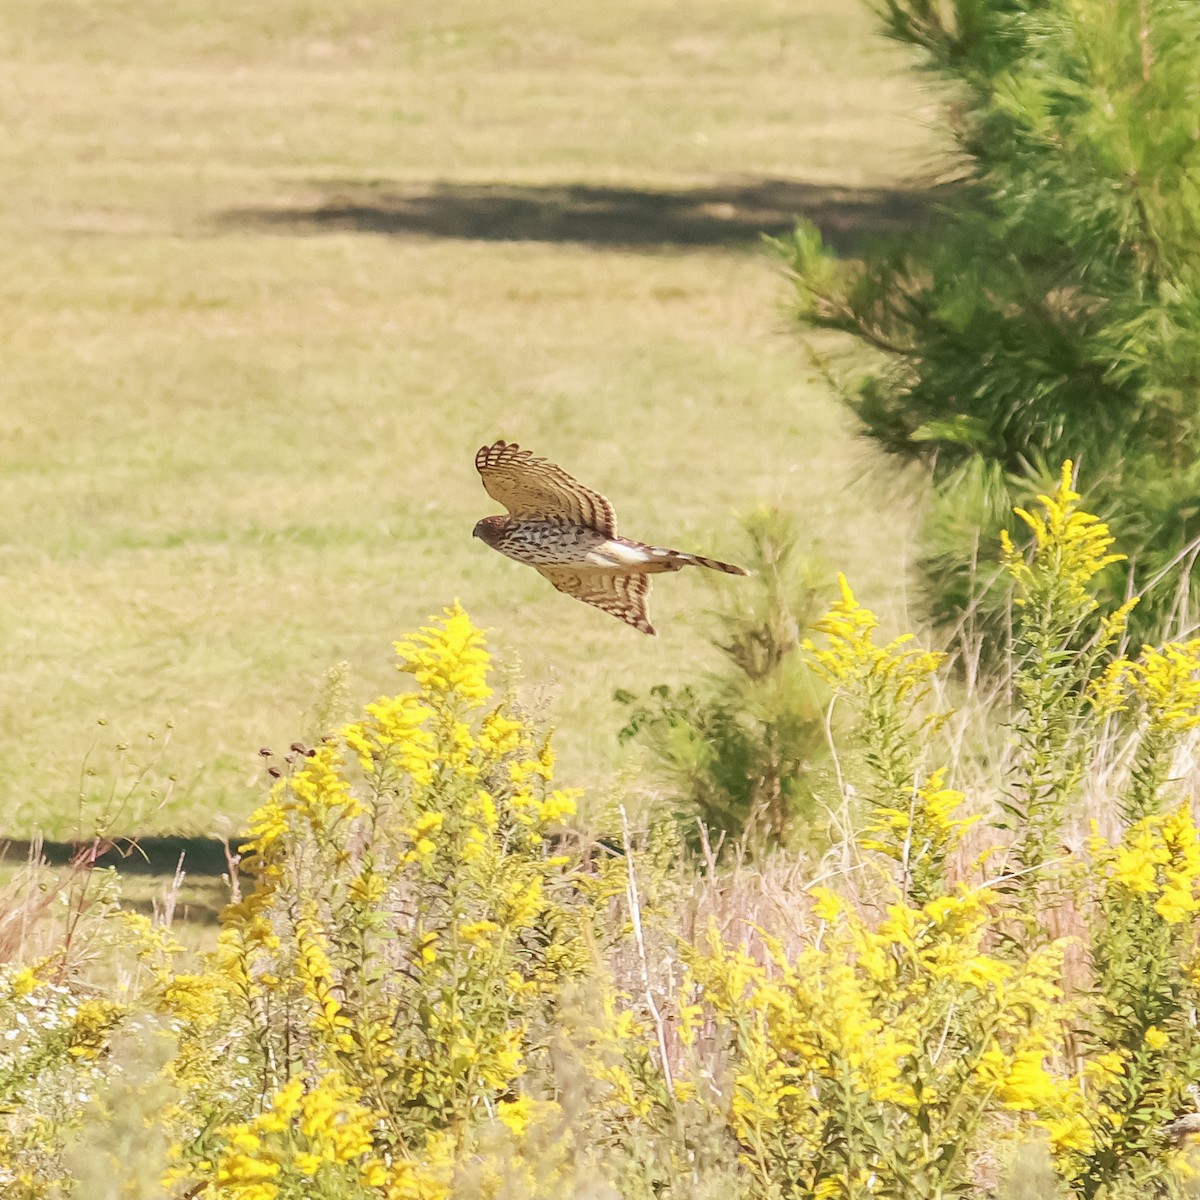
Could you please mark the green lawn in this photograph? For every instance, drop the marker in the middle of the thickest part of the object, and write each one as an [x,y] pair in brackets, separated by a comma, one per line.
[258,310]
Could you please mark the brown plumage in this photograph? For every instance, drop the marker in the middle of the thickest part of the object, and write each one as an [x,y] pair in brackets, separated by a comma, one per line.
[568,533]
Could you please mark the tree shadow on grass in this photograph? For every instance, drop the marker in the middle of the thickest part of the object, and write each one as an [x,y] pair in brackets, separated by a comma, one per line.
[194,870]
[141,856]
[731,214]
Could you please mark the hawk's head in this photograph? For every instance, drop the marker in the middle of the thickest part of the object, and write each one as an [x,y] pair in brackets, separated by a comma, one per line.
[490,529]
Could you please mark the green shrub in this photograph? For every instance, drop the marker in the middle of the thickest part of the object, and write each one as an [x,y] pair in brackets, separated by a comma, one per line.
[739,748]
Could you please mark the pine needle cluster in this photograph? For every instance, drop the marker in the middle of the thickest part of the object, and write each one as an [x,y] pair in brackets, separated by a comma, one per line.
[1053,311]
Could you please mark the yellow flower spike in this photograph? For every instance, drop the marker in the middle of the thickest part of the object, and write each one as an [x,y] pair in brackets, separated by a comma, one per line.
[373,1174]
[247,1178]
[1178,901]
[447,658]
[319,790]
[515,1115]
[487,811]
[1103,1069]
[886,1071]
[1158,857]
[1116,622]
[1109,692]
[268,824]
[334,1122]
[1041,534]
[286,1101]
[427,947]
[519,988]
[1071,547]
[1137,858]
[522,902]
[23,982]
[316,974]
[558,806]
[475,846]
[245,1140]
[393,732]
[1027,1085]
[307,1164]
[853,658]
[500,735]
[1072,1134]
[458,750]
[427,825]
[479,933]
[1167,681]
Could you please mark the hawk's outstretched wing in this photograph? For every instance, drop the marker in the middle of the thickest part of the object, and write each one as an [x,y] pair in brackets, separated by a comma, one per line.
[623,596]
[533,489]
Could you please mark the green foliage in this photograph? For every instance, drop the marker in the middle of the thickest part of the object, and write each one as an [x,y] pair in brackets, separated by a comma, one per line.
[1054,310]
[739,747]
[433,988]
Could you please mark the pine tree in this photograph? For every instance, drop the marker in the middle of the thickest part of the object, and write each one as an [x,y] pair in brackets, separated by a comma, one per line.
[1053,310]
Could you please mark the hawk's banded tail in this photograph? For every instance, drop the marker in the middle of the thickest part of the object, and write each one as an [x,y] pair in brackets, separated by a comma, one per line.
[678,559]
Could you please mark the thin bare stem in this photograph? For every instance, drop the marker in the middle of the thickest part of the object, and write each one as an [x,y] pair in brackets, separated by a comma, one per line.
[635,916]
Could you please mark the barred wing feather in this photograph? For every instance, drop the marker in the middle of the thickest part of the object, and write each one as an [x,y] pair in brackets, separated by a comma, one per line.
[533,489]
[625,597]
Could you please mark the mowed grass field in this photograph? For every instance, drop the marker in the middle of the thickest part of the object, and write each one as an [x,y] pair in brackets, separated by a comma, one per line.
[273,272]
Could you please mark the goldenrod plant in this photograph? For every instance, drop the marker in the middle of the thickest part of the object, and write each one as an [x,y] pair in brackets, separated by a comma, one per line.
[872,1062]
[1057,656]
[429,984]
[910,815]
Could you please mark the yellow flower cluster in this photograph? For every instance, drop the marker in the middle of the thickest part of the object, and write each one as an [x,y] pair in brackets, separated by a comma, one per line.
[912,1025]
[920,835]
[316,976]
[1158,859]
[318,794]
[392,736]
[1079,1108]
[1071,547]
[449,661]
[309,1130]
[1166,681]
[899,668]
[611,1034]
